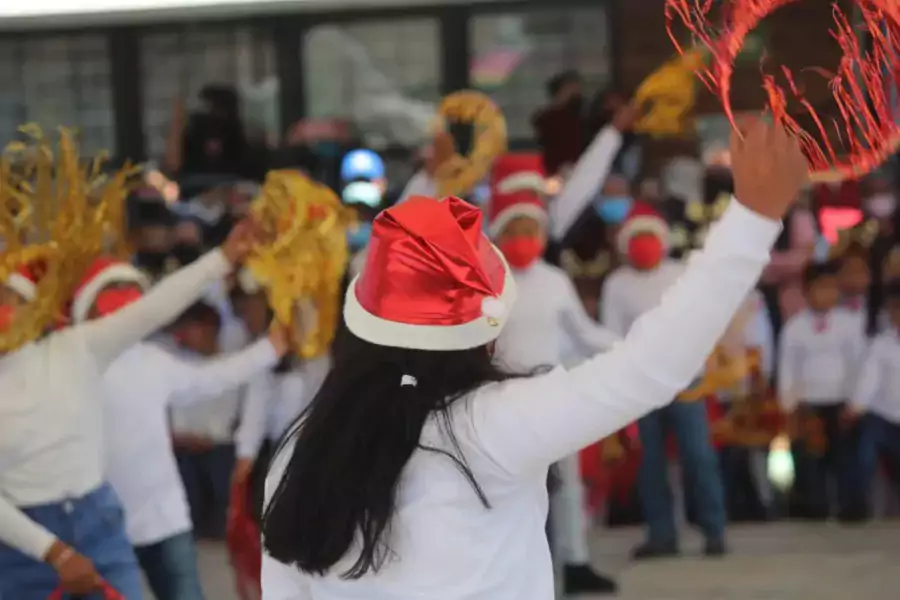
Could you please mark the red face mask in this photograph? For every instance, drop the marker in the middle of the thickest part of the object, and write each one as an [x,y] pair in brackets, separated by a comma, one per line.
[645,251]
[6,316]
[109,301]
[521,251]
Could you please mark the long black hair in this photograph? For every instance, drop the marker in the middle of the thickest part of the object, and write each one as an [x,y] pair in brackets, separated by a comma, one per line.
[352,444]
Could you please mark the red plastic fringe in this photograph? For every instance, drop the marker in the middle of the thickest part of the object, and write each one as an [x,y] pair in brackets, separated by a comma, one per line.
[867,131]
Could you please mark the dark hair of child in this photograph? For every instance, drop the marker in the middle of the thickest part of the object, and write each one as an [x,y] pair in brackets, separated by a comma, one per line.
[817,271]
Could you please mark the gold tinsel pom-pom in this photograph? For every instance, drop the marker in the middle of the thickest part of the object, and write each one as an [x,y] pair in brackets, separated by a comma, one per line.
[57,213]
[301,268]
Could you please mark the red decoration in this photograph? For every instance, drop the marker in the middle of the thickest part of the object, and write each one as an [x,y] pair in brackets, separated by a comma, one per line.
[867,131]
[244,548]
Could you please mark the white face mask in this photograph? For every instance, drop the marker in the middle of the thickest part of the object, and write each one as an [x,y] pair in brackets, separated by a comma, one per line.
[881,206]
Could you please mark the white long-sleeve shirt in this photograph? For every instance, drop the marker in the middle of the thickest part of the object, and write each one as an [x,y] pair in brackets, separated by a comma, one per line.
[51,416]
[140,463]
[878,388]
[273,401]
[819,357]
[446,544]
[546,320]
[628,293]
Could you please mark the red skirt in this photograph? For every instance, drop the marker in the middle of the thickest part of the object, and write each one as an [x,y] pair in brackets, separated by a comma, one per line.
[244,547]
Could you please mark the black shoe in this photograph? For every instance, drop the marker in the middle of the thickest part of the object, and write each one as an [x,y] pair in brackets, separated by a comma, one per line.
[581,579]
[651,550]
[853,517]
[715,547]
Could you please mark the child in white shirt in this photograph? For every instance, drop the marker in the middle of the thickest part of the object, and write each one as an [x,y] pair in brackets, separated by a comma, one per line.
[877,398]
[820,352]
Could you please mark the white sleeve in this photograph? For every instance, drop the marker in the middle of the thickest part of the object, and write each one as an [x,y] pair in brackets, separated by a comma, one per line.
[251,431]
[586,335]
[420,184]
[197,381]
[870,381]
[280,581]
[19,532]
[108,337]
[523,425]
[584,182]
[790,355]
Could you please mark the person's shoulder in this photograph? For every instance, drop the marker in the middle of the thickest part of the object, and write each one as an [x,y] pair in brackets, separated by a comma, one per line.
[795,324]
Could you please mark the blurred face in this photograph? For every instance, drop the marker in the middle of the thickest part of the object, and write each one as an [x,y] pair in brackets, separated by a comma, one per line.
[114,297]
[522,241]
[823,294]
[616,185]
[188,233]
[154,238]
[200,337]
[854,276]
[253,310]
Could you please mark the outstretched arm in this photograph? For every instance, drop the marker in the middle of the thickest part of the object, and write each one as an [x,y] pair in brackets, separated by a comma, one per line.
[521,431]
[108,337]
[196,381]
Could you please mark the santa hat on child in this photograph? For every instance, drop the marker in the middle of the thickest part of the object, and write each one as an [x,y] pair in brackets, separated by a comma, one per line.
[24,282]
[517,188]
[103,272]
[432,280]
[643,220]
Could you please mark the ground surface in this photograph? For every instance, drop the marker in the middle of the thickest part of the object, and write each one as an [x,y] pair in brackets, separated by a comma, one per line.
[774,562]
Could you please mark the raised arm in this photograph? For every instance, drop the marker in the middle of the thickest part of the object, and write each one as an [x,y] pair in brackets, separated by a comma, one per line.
[586,335]
[19,532]
[108,337]
[588,174]
[420,184]
[521,432]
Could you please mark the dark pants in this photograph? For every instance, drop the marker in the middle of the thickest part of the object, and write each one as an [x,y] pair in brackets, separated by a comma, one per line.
[879,440]
[94,525]
[171,568]
[743,501]
[837,464]
[702,480]
[207,481]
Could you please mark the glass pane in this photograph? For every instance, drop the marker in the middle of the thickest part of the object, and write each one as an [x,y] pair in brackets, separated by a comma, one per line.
[177,63]
[514,54]
[383,77]
[58,81]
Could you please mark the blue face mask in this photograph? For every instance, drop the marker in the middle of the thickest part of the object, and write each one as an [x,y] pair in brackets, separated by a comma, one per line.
[613,209]
[358,237]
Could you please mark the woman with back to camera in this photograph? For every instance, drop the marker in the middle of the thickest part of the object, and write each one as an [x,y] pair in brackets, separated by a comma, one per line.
[419,469]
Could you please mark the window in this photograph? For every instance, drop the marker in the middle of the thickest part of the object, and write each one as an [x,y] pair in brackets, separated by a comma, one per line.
[177,64]
[514,54]
[383,77]
[58,81]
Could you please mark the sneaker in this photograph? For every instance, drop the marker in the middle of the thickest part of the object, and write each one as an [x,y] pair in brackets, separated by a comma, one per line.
[581,579]
[651,550]
[715,547]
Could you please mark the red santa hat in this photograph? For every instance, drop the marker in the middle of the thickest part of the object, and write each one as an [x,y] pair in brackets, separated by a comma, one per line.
[643,218]
[104,271]
[517,188]
[432,280]
[23,282]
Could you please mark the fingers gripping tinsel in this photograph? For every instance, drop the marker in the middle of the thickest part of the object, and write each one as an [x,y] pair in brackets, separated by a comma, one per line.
[302,267]
[56,215]
[458,175]
[866,132]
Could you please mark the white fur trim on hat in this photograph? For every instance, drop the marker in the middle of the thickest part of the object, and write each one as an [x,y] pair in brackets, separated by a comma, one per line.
[119,273]
[476,333]
[515,211]
[22,286]
[526,180]
[644,224]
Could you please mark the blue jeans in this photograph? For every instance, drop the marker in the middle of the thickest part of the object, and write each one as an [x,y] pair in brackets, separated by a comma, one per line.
[879,438]
[207,481]
[702,480]
[171,568]
[94,525]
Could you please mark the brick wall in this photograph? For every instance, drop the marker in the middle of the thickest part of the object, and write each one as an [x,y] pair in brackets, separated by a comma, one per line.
[797,36]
